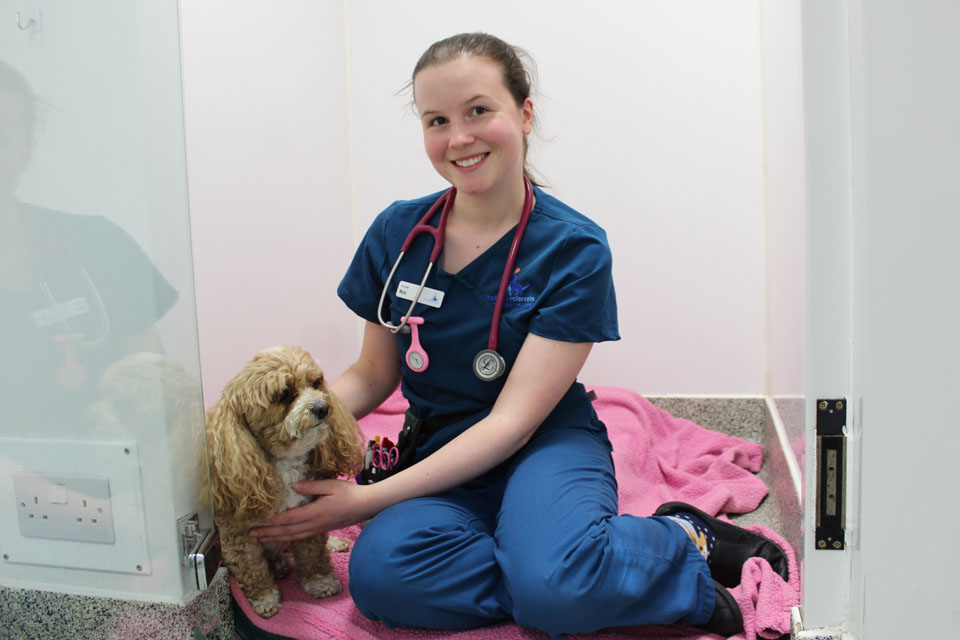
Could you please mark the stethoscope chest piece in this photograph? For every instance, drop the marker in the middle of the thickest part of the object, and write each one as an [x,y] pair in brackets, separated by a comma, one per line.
[488,365]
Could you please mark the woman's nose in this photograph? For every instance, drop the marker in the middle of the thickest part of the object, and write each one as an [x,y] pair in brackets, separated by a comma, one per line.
[461,137]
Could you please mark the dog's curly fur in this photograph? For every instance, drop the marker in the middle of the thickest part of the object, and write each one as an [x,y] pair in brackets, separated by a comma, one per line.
[275,423]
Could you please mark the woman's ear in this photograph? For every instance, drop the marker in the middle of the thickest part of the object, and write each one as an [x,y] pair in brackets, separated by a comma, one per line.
[243,483]
[526,111]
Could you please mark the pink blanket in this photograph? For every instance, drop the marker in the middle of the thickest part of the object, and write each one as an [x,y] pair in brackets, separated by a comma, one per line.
[658,458]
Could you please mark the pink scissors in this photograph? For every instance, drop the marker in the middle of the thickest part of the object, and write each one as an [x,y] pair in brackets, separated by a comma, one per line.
[386,455]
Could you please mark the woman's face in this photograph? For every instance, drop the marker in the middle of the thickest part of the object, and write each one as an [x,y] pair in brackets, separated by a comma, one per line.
[13,142]
[473,130]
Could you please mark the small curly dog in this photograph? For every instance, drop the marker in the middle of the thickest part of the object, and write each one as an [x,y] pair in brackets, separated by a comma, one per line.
[276,423]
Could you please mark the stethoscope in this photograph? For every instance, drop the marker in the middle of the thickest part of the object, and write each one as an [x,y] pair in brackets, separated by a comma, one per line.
[72,374]
[487,364]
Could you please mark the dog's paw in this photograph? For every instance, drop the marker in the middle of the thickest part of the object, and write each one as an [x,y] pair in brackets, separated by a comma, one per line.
[336,544]
[267,605]
[321,586]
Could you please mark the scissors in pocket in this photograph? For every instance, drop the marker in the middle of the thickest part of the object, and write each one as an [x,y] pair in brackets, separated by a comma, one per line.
[386,455]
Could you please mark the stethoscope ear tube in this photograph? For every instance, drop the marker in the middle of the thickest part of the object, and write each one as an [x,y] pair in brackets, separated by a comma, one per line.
[423,226]
[487,364]
[494,338]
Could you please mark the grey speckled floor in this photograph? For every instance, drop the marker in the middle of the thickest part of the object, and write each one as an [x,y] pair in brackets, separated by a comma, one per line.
[27,614]
[748,418]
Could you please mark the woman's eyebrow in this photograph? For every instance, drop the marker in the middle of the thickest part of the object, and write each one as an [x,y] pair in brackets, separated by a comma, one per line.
[479,96]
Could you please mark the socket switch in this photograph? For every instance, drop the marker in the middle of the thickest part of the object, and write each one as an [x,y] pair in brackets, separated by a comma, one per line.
[64,507]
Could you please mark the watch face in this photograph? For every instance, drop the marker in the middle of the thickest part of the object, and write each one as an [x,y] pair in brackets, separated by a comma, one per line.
[415,360]
[488,365]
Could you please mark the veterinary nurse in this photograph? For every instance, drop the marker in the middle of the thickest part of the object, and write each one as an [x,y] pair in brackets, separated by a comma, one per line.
[511,508]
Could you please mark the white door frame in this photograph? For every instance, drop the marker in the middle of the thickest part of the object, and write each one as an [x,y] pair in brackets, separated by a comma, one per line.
[829,142]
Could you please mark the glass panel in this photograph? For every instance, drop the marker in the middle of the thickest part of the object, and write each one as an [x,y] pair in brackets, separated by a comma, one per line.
[101,441]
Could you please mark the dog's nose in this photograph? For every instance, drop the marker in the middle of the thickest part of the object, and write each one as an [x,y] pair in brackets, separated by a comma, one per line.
[320,409]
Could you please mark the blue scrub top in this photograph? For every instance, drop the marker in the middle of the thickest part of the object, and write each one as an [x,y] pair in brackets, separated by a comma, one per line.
[561,288]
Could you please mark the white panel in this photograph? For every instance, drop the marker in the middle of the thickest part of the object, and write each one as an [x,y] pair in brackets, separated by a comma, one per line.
[909,165]
[119,462]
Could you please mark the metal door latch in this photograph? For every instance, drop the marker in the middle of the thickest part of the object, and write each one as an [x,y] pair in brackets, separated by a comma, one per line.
[199,548]
[831,473]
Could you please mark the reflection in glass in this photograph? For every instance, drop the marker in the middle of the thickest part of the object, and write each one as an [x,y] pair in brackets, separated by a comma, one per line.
[77,293]
[84,370]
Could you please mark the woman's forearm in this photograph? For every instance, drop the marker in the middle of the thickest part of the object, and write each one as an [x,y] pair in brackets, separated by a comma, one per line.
[474,452]
[543,372]
[373,377]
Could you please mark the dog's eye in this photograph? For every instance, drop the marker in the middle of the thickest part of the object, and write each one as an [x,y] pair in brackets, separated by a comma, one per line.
[286,397]
[317,383]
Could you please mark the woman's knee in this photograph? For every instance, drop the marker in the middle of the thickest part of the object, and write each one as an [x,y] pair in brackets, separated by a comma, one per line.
[370,577]
[544,602]
[400,551]
[559,590]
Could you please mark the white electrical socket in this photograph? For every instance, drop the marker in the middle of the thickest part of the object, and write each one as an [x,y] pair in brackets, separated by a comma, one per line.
[64,507]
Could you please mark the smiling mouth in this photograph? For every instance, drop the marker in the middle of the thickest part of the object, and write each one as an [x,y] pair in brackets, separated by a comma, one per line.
[466,163]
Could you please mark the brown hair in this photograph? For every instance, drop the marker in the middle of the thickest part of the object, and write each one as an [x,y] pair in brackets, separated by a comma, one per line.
[518,77]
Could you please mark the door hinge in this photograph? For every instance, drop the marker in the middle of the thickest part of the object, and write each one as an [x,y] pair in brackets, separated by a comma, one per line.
[831,473]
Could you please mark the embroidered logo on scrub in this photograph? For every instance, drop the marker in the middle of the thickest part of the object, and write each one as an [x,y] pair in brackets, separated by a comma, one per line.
[515,291]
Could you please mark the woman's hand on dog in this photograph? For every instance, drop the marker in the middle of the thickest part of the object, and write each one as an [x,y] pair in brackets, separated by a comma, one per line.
[339,504]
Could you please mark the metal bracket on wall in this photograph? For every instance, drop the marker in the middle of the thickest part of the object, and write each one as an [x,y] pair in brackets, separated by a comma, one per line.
[199,548]
[831,473]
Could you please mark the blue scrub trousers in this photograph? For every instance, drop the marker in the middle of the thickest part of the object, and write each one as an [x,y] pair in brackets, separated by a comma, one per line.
[538,540]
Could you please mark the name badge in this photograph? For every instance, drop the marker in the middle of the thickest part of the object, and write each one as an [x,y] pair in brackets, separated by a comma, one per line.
[430,297]
[69,309]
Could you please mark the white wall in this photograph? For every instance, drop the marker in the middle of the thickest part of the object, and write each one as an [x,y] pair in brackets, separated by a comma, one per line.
[783,196]
[652,125]
[269,164]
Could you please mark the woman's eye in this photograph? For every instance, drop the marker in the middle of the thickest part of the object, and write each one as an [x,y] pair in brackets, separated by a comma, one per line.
[435,122]
[478,111]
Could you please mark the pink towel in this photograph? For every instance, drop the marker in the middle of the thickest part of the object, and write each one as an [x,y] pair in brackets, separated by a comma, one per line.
[658,458]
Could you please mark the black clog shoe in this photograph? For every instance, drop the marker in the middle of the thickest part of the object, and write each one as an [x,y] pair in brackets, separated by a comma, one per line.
[734,546]
[727,619]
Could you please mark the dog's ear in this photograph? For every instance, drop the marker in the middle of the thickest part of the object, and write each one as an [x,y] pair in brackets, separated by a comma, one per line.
[243,483]
[342,453]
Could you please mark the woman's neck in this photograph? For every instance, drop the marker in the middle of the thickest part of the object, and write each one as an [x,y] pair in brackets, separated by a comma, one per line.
[476,223]
[490,211]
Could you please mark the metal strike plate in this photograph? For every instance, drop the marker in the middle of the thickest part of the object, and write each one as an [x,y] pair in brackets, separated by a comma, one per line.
[831,473]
